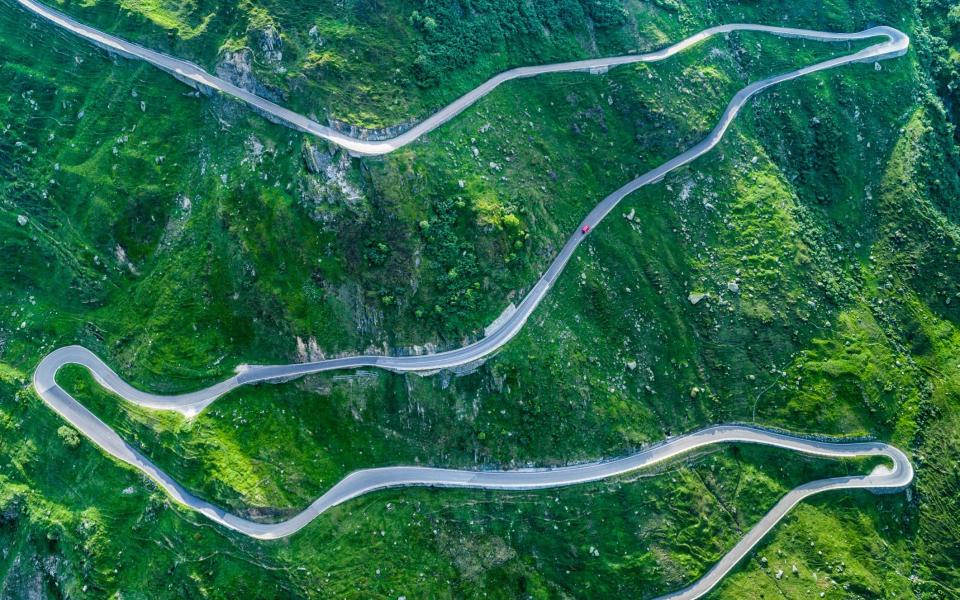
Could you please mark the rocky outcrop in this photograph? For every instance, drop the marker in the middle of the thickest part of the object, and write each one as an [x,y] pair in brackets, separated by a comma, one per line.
[316,159]
[327,188]
[237,68]
[24,580]
[270,44]
[362,133]
[11,511]
[309,351]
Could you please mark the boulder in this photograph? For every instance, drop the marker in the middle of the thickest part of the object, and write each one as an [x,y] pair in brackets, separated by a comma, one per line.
[696,297]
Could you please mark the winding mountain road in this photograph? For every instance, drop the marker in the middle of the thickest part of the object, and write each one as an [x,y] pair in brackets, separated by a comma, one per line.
[883,478]
[195,75]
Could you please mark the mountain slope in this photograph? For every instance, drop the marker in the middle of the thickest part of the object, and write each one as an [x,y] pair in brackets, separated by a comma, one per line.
[179,236]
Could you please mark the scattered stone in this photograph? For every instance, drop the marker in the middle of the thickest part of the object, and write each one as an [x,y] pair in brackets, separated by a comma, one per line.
[22,220]
[255,147]
[630,215]
[779,573]
[632,365]
[461,183]
[734,287]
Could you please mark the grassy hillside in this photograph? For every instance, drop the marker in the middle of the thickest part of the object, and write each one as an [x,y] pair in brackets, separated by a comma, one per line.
[178,236]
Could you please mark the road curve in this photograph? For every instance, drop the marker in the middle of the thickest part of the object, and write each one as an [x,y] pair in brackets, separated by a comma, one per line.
[882,479]
[197,76]
[361,482]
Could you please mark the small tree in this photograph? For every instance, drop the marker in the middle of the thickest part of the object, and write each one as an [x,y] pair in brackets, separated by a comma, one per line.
[70,437]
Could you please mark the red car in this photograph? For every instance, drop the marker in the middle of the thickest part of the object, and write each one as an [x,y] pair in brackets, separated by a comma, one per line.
[585,229]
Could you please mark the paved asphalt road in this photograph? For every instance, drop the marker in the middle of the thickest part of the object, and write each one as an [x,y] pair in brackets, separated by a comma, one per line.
[361,482]
[197,76]
[883,478]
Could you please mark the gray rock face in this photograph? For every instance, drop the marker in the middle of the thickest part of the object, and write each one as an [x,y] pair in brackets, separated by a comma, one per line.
[237,68]
[24,581]
[270,44]
[362,133]
[316,160]
[10,512]
[327,187]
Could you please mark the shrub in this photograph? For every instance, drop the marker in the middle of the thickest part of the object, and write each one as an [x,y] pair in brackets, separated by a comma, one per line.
[70,437]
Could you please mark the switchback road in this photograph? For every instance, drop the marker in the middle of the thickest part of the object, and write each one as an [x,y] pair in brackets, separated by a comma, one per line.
[883,478]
